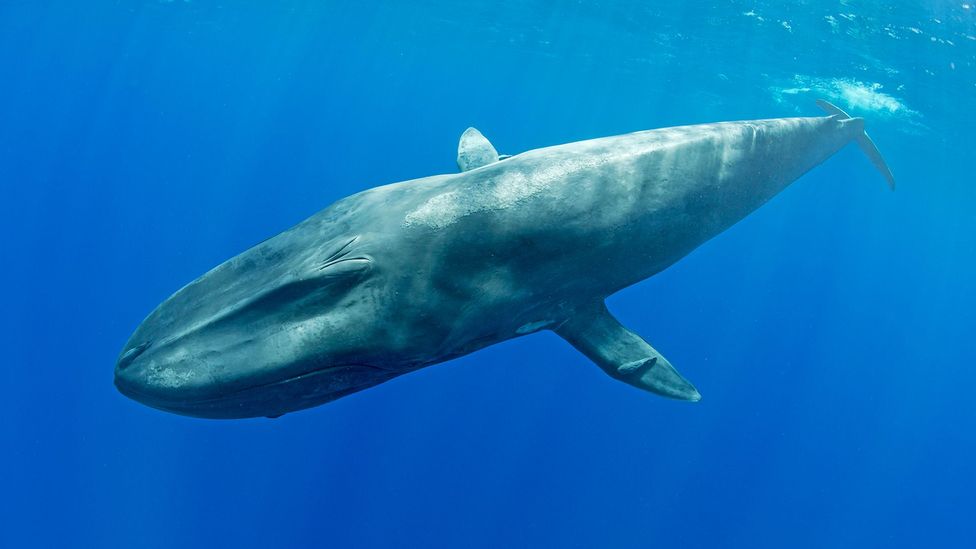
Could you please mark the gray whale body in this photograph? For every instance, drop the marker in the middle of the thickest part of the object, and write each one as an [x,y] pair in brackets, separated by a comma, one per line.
[407,275]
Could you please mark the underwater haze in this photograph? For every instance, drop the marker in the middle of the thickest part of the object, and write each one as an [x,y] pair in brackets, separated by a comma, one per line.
[830,332]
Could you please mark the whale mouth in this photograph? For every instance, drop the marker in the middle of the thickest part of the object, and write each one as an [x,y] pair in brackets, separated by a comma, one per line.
[271,398]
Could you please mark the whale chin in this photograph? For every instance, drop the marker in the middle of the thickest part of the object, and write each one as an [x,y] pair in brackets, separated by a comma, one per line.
[271,399]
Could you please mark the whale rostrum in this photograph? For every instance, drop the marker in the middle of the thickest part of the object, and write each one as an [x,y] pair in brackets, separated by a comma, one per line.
[407,275]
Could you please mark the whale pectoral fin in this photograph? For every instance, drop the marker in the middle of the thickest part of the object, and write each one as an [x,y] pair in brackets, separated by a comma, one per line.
[475,151]
[623,354]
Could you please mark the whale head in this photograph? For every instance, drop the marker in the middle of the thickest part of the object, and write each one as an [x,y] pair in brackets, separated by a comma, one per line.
[286,325]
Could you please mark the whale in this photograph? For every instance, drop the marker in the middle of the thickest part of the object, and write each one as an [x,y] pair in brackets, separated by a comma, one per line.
[404,276]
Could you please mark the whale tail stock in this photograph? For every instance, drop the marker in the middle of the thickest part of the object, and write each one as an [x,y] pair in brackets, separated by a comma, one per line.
[863,141]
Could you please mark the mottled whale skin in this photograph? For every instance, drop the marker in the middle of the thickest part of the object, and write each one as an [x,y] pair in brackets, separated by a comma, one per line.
[407,275]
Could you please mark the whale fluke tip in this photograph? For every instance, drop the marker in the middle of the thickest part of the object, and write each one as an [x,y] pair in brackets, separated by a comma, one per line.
[864,142]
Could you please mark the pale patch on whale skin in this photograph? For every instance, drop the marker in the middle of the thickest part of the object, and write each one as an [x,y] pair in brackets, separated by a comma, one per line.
[162,375]
[503,191]
[168,377]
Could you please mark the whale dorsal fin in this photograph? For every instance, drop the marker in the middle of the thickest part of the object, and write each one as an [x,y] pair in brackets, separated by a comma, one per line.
[475,151]
[623,354]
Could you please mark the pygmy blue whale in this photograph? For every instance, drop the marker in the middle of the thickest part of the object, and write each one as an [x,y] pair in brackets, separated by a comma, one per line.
[407,275]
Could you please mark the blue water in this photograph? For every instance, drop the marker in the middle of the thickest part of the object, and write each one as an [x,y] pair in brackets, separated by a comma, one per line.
[143,142]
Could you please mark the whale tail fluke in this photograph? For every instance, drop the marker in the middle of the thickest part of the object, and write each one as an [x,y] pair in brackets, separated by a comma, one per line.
[864,142]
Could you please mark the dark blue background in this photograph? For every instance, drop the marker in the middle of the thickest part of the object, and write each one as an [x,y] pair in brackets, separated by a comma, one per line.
[142,143]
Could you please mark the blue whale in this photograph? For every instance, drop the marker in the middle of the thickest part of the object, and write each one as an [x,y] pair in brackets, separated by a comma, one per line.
[407,275]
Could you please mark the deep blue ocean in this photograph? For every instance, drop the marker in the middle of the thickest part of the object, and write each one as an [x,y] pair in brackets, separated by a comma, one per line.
[830,333]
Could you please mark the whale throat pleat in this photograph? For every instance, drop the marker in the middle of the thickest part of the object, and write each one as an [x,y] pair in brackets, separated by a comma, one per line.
[623,354]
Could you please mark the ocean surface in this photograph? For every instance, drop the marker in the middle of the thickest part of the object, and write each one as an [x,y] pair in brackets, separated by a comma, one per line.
[830,333]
